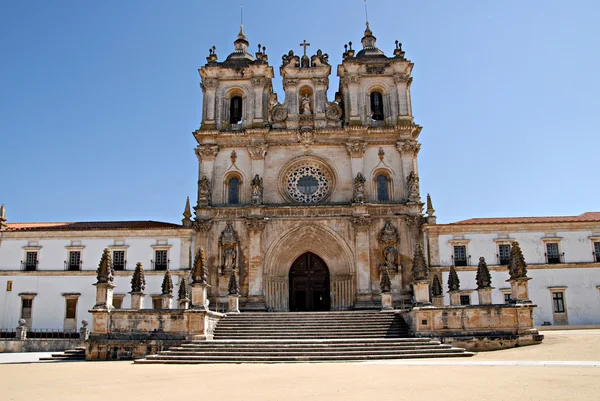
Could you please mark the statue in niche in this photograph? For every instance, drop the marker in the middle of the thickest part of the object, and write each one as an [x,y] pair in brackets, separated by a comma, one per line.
[257,190]
[305,105]
[228,244]
[412,185]
[204,191]
[272,100]
[389,256]
[388,238]
[359,188]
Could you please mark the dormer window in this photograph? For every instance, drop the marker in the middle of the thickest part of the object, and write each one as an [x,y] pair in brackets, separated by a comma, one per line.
[235,110]
[376,106]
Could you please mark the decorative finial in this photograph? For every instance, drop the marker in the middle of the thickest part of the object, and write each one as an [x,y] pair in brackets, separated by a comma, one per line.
[430,210]
[305,45]
[381,154]
[200,268]
[366,14]
[183,291]
[483,277]
[138,281]
[436,287]
[233,157]
[187,214]
[453,281]
[104,274]
[167,284]
[419,269]
[517,268]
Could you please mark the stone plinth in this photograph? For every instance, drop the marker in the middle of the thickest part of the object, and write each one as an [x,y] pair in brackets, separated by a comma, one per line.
[386,301]
[421,292]
[184,303]
[520,290]
[166,302]
[104,295]
[137,300]
[234,304]
[200,296]
[438,301]
[454,297]
[485,295]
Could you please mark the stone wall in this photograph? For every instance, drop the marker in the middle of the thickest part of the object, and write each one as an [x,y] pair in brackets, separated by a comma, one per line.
[38,345]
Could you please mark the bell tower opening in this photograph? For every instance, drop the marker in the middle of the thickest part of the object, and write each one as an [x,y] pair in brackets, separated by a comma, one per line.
[309,284]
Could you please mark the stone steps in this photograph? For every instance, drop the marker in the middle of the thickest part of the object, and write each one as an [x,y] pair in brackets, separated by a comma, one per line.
[76,354]
[306,337]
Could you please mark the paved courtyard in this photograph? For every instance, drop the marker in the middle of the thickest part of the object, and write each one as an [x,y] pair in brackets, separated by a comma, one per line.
[566,366]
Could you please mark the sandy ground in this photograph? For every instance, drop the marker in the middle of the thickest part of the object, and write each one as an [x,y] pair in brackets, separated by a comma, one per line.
[460,379]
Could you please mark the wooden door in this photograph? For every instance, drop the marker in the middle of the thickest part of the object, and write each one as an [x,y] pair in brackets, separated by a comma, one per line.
[309,284]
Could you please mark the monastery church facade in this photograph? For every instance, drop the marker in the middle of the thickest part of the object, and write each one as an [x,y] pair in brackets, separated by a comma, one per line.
[307,200]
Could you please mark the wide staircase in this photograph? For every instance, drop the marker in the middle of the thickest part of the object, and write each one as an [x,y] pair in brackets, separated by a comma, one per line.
[75,354]
[306,337]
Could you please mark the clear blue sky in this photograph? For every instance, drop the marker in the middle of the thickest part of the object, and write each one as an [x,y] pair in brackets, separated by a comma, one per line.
[98,99]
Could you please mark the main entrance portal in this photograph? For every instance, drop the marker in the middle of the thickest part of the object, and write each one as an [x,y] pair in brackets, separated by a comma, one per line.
[309,284]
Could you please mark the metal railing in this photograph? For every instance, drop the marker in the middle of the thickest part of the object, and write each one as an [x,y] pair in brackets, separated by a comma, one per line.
[461,262]
[555,259]
[119,266]
[502,260]
[73,266]
[8,333]
[29,266]
[161,266]
[56,334]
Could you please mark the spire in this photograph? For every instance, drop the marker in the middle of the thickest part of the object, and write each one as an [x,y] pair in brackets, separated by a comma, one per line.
[453,281]
[138,281]
[420,270]
[167,284]
[436,287]
[369,41]
[200,268]
[241,44]
[183,292]
[483,277]
[2,217]
[517,268]
[430,209]
[104,274]
[187,214]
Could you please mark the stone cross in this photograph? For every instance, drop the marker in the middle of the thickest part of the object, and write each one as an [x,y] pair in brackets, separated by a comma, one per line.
[305,45]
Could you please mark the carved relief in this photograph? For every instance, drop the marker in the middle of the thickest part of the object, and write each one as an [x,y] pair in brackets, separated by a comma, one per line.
[408,148]
[361,222]
[204,191]
[333,112]
[319,59]
[374,69]
[388,239]
[306,138]
[401,78]
[279,113]
[258,151]
[290,60]
[356,149]
[256,223]
[257,190]
[203,225]
[206,152]
[359,188]
[350,79]
[258,82]
[305,105]
[210,84]
[228,249]
[321,81]
[412,187]
[289,83]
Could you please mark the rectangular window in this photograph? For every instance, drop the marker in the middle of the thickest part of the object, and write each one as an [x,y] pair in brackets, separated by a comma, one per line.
[507,298]
[465,300]
[552,254]
[597,251]
[160,260]
[558,301]
[118,302]
[26,305]
[156,303]
[31,261]
[71,308]
[74,260]
[460,255]
[119,260]
[503,254]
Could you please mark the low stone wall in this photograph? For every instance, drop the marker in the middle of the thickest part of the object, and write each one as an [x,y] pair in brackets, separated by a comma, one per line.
[476,327]
[135,333]
[38,345]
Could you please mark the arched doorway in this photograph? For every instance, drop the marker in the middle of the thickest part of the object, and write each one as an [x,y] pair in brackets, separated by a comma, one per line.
[309,284]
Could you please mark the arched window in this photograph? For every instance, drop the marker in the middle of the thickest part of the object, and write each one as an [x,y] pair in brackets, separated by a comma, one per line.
[233,191]
[383,193]
[376,106]
[235,110]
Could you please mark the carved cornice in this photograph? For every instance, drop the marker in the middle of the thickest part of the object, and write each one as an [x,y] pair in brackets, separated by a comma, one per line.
[206,152]
[361,222]
[402,78]
[258,82]
[306,138]
[408,147]
[258,151]
[290,83]
[203,225]
[256,223]
[350,79]
[356,149]
[321,81]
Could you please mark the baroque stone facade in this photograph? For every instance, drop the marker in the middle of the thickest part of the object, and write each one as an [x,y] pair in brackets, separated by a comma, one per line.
[310,176]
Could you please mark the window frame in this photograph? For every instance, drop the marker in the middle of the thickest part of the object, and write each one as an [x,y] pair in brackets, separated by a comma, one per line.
[558,302]
[371,105]
[161,245]
[553,240]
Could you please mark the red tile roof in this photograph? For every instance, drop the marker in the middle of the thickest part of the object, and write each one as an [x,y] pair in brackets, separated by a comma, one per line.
[91,225]
[585,217]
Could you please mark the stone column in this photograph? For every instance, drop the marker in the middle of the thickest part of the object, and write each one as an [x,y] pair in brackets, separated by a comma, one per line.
[166,302]
[209,86]
[258,151]
[206,154]
[402,82]
[361,223]
[104,295]
[258,84]
[352,82]
[485,295]
[454,297]
[255,226]
[137,299]
[290,86]
[520,290]
[356,151]
[421,292]
[200,296]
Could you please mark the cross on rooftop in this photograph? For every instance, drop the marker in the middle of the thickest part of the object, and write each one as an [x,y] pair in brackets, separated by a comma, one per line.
[305,45]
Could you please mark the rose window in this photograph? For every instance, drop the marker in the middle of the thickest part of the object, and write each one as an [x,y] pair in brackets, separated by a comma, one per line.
[308,183]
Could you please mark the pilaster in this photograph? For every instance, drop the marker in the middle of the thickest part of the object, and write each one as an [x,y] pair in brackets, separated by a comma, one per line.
[361,223]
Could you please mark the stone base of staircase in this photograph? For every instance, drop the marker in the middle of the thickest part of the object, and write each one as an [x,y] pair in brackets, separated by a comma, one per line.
[76,354]
[307,337]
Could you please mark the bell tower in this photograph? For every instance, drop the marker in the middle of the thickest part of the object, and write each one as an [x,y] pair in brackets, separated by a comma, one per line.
[375,88]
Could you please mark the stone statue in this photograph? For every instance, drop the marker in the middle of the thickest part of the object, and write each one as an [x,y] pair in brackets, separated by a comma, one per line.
[290,59]
[412,185]
[388,237]
[319,59]
[204,191]
[305,105]
[359,188]
[228,242]
[229,258]
[389,257]
[257,190]
[272,100]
